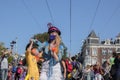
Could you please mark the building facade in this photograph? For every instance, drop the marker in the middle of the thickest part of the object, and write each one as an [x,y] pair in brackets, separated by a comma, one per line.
[94,50]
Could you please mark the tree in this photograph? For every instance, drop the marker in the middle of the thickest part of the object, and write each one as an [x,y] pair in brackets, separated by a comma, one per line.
[2,47]
[65,50]
[10,59]
[42,37]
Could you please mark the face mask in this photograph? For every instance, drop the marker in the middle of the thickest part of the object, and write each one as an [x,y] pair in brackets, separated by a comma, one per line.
[52,37]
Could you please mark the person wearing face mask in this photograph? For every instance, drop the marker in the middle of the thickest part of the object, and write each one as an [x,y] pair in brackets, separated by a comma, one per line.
[4,65]
[52,54]
[31,52]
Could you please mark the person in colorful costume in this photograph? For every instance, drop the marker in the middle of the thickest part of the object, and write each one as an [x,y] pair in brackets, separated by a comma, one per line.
[31,52]
[52,54]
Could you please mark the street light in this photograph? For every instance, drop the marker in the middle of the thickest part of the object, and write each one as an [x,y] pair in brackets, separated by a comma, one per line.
[12,45]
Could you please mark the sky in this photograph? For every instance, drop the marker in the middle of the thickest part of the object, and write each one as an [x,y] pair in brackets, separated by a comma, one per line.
[21,19]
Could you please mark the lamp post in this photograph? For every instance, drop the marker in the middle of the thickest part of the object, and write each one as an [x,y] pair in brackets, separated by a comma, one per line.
[12,45]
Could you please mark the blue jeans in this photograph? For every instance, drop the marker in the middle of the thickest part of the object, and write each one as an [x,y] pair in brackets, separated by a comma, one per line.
[4,73]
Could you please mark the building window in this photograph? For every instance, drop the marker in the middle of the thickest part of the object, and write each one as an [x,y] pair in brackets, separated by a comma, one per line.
[94,41]
[94,52]
[118,41]
[86,52]
[88,60]
[88,40]
[104,52]
[118,50]
[110,51]
[94,60]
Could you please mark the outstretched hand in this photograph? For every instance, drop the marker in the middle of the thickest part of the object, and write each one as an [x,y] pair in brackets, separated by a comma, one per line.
[31,44]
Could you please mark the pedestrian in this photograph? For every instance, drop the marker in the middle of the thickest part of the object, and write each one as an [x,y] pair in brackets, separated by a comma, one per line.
[92,75]
[106,67]
[86,73]
[98,71]
[14,69]
[23,75]
[9,77]
[63,68]
[4,65]
[112,58]
[117,66]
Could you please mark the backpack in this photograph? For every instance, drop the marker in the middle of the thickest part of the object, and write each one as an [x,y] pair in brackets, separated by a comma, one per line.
[79,66]
[74,64]
[14,69]
[78,72]
[19,70]
[69,66]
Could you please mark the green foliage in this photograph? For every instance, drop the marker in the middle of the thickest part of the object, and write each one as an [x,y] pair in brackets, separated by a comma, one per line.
[10,59]
[2,47]
[64,53]
[42,37]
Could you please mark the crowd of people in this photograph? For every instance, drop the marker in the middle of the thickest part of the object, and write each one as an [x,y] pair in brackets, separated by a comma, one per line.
[54,66]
